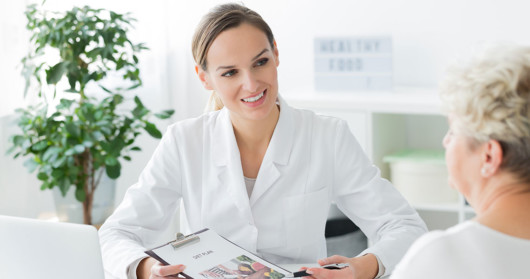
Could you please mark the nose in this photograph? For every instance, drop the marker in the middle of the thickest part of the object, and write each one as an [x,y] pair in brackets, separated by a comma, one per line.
[250,82]
[445,140]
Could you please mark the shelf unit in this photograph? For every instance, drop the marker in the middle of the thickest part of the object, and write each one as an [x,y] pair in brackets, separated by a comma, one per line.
[385,122]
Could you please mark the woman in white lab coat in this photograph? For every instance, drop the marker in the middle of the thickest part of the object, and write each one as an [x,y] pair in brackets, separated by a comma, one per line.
[258,172]
[487,154]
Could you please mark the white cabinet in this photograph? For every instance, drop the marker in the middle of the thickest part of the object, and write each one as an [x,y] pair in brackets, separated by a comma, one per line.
[386,122]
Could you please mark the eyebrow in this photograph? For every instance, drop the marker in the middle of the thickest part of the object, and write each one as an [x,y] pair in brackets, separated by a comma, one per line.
[254,58]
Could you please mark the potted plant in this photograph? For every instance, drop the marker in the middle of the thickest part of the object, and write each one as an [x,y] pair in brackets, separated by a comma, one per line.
[72,138]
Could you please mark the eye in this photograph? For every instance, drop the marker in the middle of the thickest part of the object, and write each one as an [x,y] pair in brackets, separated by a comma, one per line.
[229,73]
[262,62]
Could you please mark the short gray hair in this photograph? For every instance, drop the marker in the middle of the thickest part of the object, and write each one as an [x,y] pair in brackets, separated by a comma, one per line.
[490,99]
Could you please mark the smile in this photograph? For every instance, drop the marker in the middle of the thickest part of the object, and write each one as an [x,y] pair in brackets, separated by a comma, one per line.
[255,98]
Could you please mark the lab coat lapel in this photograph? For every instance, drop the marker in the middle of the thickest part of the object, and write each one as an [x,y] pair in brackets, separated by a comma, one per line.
[278,152]
[227,162]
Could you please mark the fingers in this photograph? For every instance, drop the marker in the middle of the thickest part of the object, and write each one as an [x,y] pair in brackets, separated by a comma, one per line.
[333,260]
[322,273]
[159,270]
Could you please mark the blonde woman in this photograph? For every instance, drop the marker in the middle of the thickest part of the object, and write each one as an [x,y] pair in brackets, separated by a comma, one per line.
[258,172]
[488,158]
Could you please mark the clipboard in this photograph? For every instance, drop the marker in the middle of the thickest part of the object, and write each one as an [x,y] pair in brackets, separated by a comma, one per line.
[207,255]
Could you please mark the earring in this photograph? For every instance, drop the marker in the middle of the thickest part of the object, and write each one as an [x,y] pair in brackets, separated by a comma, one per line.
[483,171]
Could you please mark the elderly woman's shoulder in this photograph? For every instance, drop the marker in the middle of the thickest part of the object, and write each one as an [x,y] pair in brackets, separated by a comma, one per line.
[435,253]
[452,240]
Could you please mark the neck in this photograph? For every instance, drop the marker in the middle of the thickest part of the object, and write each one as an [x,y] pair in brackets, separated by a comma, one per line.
[505,207]
[252,134]
[496,191]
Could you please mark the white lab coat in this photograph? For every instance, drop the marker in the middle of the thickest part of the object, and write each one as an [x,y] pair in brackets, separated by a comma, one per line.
[311,160]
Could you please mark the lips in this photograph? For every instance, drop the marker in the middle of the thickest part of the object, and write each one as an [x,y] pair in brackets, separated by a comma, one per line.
[255,98]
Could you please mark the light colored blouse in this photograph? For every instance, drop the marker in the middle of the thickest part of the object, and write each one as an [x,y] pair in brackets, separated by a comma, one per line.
[250,182]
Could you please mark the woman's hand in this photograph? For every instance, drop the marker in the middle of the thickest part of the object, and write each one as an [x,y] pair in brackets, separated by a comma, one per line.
[364,267]
[150,268]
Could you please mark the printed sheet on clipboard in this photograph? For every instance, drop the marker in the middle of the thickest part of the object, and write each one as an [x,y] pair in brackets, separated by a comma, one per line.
[208,255]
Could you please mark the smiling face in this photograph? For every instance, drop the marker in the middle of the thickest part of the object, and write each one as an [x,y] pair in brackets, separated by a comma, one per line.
[242,70]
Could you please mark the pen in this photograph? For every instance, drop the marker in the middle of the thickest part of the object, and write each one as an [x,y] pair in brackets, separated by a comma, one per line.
[302,273]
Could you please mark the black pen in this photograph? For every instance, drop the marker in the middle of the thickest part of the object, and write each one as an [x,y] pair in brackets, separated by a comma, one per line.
[303,273]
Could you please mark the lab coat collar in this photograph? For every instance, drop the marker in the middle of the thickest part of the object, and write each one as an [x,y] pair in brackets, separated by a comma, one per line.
[227,158]
[280,147]
[281,143]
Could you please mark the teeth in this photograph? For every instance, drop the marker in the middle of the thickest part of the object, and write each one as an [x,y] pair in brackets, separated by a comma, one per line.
[253,99]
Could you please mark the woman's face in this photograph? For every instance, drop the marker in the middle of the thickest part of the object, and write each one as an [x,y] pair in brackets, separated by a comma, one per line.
[242,69]
[463,162]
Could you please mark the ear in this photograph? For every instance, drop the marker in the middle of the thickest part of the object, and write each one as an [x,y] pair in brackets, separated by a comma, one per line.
[204,77]
[276,53]
[492,158]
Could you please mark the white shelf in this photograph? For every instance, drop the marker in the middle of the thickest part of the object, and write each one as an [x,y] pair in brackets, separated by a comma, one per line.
[403,100]
[453,207]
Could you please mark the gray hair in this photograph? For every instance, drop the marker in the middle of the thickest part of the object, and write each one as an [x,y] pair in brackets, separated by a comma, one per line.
[490,99]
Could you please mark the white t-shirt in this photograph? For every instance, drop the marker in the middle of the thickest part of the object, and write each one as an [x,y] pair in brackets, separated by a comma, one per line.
[468,250]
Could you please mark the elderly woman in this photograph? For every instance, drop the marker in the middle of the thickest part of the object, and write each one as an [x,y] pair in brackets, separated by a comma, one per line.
[488,158]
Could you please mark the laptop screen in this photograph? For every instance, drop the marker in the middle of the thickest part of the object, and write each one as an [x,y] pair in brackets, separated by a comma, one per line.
[42,249]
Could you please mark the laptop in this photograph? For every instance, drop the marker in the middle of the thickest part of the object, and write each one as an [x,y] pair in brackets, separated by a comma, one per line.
[31,248]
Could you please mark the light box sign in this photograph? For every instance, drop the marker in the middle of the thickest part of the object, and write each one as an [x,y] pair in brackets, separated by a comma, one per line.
[353,64]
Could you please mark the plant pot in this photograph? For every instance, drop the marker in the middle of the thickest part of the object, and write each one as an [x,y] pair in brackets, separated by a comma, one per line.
[69,209]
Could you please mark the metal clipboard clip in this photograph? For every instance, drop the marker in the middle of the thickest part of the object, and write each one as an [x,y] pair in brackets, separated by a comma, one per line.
[181,240]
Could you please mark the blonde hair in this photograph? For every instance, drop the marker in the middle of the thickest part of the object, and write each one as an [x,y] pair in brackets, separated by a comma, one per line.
[490,99]
[219,19]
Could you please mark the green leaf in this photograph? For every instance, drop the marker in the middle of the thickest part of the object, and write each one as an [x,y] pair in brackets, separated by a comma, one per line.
[117,99]
[55,73]
[127,158]
[136,148]
[59,162]
[57,173]
[69,152]
[80,194]
[65,104]
[72,129]
[165,114]
[98,115]
[40,145]
[11,149]
[110,160]
[31,164]
[98,135]
[88,143]
[152,130]
[64,185]
[80,148]
[105,89]
[134,86]
[71,90]
[140,112]
[113,171]
[51,153]
[45,185]
[17,140]
[138,102]
[42,176]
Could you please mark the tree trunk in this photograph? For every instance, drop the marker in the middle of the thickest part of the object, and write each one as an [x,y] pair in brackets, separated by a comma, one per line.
[89,186]
[87,211]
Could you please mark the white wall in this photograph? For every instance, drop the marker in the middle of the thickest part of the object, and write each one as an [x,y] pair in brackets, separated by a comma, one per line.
[427,36]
